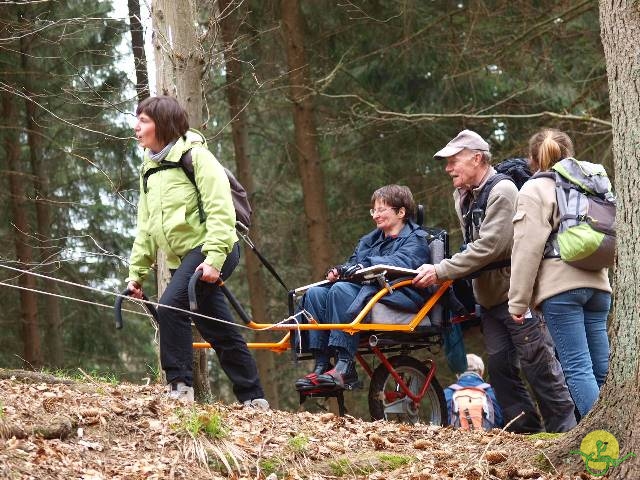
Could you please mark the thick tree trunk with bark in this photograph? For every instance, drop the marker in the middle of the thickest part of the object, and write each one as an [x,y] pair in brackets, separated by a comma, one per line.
[239,130]
[179,60]
[306,143]
[54,346]
[618,408]
[137,44]
[21,230]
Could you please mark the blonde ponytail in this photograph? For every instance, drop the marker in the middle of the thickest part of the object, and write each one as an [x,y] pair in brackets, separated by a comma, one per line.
[549,146]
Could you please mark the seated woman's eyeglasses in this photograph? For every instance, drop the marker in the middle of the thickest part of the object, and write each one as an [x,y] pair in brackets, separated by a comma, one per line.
[373,211]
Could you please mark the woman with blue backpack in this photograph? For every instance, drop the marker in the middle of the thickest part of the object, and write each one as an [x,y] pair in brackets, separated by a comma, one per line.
[574,295]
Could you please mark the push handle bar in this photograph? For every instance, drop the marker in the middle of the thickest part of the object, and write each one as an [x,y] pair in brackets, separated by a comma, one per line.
[193,301]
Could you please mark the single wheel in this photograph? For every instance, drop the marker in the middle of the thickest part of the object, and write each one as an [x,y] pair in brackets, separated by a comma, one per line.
[388,401]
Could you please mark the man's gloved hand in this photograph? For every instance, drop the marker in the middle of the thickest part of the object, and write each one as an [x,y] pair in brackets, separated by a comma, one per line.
[346,271]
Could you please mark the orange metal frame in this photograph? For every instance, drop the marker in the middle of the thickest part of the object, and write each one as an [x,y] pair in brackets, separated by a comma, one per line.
[355,326]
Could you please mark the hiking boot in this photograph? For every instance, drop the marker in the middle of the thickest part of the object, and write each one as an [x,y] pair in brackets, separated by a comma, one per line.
[179,391]
[342,377]
[257,403]
[308,381]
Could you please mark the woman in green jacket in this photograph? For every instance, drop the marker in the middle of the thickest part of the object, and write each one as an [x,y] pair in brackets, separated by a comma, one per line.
[169,219]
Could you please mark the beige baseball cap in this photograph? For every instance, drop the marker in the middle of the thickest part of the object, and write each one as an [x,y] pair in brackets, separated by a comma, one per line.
[465,139]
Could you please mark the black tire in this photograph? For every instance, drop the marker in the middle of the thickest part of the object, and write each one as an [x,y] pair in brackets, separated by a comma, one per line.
[431,410]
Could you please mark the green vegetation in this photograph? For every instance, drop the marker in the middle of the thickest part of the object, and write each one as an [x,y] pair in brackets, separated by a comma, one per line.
[392,462]
[344,466]
[544,436]
[298,444]
[195,423]
[270,465]
[541,462]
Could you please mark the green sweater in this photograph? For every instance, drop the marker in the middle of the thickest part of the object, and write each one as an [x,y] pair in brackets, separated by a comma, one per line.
[168,212]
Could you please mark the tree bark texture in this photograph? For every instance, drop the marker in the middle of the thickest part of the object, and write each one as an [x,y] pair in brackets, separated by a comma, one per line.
[21,230]
[240,134]
[137,44]
[179,55]
[54,346]
[179,61]
[618,408]
[306,144]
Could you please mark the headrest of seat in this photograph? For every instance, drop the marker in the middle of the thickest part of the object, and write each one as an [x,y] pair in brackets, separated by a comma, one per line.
[419,214]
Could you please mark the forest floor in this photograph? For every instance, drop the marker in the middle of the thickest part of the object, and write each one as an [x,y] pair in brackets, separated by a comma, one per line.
[52,428]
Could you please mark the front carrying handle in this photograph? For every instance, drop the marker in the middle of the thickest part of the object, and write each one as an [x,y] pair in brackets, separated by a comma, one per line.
[118,308]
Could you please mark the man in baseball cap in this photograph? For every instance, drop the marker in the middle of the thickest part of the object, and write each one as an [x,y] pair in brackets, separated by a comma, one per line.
[465,139]
[485,203]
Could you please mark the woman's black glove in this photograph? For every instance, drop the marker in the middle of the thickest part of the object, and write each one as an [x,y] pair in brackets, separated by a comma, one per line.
[345,271]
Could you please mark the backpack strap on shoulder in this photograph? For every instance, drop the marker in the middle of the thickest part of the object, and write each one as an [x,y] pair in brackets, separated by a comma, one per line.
[186,162]
[475,215]
[551,248]
[151,171]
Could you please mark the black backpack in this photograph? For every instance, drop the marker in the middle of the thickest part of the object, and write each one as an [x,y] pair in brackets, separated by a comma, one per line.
[513,169]
[238,193]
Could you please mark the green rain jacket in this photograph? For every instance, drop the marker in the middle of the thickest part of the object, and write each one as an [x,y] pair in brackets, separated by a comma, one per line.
[168,213]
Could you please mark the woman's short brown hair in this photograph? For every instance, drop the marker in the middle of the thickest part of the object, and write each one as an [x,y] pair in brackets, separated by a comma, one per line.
[396,196]
[172,121]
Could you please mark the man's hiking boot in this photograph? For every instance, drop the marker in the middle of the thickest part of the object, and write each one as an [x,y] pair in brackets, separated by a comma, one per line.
[257,403]
[308,381]
[179,391]
[342,377]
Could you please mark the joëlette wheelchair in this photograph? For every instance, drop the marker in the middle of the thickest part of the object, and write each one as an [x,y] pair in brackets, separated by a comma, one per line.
[401,387]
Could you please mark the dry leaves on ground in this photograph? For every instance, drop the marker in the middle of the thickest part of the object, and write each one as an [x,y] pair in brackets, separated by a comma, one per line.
[94,430]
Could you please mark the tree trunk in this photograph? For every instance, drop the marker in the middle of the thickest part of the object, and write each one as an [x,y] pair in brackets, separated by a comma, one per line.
[28,301]
[179,60]
[306,143]
[619,405]
[54,346]
[137,44]
[239,130]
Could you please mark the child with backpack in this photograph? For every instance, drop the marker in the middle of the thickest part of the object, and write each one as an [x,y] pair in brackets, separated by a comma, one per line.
[471,402]
[575,298]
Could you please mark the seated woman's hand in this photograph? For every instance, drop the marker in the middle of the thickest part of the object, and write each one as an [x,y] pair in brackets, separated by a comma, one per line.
[345,271]
[332,274]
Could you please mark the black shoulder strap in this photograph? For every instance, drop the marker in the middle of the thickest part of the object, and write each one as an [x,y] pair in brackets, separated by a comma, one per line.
[475,215]
[186,162]
[151,171]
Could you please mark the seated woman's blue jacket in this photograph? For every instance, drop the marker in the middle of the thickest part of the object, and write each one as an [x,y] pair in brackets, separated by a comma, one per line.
[409,250]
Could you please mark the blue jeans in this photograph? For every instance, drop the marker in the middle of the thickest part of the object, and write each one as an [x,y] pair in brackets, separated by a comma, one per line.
[577,321]
[329,304]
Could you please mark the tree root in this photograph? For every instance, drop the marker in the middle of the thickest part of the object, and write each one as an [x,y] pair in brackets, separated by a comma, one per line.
[33,377]
[59,427]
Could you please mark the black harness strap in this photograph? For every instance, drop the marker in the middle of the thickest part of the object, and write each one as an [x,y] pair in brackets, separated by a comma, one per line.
[186,164]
